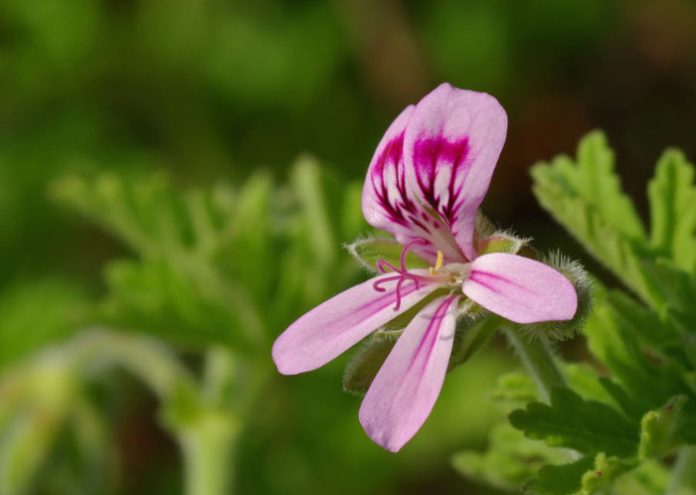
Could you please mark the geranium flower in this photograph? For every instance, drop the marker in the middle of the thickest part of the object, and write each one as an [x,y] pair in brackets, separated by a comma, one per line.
[425,184]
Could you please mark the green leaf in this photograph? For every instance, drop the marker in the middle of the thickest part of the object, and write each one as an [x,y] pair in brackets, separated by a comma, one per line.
[584,425]
[563,479]
[592,180]
[586,476]
[208,263]
[509,461]
[673,210]
[38,313]
[515,388]
[659,429]
[584,380]
[612,338]
[603,473]
[650,478]
[305,179]
[585,197]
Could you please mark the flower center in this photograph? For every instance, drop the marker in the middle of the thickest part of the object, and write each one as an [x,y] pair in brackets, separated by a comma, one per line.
[452,274]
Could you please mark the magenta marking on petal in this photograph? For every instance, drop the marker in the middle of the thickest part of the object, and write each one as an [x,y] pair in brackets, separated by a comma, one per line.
[431,156]
[392,156]
[427,344]
[477,275]
[474,277]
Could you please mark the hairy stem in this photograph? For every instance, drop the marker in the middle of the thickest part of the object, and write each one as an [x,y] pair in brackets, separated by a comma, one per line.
[684,473]
[538,359]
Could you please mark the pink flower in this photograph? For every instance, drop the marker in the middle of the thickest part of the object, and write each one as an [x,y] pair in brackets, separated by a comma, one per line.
[425,184]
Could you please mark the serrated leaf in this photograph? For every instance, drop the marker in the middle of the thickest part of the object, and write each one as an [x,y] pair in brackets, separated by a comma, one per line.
[569,421]
[584,380]
[631,406]
[208,262]
[515,388]
[612,338]
[509,461]
[603,474]
[305,178]
[647,326]
[564,479]
[586,476]
[672,197]
[592,178]
[62,307]
[585,197]
[650,478]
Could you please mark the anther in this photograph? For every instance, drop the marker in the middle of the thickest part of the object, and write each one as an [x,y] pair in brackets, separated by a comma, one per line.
[438,263]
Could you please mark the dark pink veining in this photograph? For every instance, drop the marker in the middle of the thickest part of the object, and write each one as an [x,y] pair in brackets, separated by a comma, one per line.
[432,154]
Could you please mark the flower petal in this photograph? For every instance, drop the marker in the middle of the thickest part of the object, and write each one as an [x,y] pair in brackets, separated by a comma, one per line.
[520,289]
[406,387]
[451,146]
[386,203]
[341,322]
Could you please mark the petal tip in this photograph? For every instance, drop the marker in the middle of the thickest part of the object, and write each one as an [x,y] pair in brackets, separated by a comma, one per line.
[278,354]
[380,435]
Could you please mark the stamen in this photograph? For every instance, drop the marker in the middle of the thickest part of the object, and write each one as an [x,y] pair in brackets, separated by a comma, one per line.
[438,263]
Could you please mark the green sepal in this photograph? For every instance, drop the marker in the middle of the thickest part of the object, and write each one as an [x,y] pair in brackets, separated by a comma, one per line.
[371,354]
[368,251]
[471,336]
[502,242]
[367,361]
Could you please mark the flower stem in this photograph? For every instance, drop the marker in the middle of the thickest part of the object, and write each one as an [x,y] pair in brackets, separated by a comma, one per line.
[684,473]
[538,359]
[208,447]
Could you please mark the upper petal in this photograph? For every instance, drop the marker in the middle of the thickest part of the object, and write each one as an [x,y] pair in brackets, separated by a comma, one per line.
[406,387]
[341,322]
[386,203]
[520,289]
[451,146]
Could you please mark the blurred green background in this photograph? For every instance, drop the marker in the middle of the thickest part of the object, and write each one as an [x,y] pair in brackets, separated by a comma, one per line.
[212,92]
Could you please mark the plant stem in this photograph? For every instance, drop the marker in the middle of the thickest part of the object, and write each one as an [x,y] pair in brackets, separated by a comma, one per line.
[538,359]
[684,473]
[208,447]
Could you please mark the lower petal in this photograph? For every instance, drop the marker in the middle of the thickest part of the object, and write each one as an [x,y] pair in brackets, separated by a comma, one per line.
[405,389]
[341,322]
[520,289]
